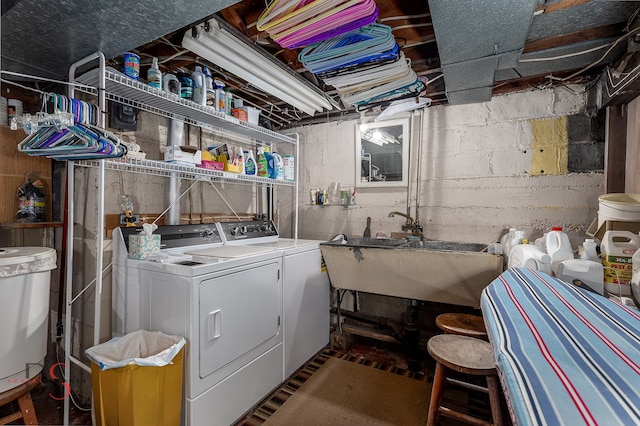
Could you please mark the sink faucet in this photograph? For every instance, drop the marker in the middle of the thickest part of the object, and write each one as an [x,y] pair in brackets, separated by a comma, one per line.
[410,224]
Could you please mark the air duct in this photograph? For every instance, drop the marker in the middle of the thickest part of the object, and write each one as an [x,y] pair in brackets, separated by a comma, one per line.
[477,38]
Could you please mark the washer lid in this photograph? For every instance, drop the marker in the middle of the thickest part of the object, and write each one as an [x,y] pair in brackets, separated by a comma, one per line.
[25,260]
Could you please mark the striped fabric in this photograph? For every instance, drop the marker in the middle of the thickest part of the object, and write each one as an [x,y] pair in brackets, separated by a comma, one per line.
[565,356]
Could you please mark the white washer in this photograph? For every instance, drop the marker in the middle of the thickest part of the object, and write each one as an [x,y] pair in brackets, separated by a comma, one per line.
[306,290]
[227,303]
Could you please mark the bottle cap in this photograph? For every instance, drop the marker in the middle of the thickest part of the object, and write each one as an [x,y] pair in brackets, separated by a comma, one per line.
[556,228]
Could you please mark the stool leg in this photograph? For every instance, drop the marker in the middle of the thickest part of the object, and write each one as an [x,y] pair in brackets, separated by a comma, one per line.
[26,407]
[494,399]
[436,394]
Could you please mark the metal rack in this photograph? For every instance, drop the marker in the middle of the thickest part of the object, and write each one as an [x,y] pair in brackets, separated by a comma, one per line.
[162,169]
[125,90]
[110,84]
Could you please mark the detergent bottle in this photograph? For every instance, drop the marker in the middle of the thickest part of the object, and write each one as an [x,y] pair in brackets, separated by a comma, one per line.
[278,163]
[529,256]
[199,86]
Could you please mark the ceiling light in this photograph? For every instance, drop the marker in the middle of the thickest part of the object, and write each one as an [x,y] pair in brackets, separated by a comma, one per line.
[222,48]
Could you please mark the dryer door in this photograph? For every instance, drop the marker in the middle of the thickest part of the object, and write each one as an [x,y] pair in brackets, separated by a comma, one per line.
[240,316]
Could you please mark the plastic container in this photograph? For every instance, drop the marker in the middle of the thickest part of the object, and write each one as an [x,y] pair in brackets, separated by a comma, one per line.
[618,248]
[278,163]
[24,312]
[132,65]
[208,83]
[288,165]
[635,278]
[154,76]
[558,247]
[515,238]
[137,379]
[199,86]
[171,84]
[529,256]
[228,102]
[618,207]
[582,273]
[220,99]
[589,250]
[262,168]
[186,84]
[505,242]
[249,163]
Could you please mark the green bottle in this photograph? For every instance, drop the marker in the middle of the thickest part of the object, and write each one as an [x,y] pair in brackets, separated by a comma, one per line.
[263,169]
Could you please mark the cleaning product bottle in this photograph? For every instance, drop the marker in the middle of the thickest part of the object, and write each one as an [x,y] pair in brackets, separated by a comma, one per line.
[208,83]
[228,101]
[516,238]
[154,76]
[589,250]
[220,97]
[261,162]
[199,87]
[271,165]
[278,166]
[558,247]
[171,84]
[186,84]
[249,163]
[530,256]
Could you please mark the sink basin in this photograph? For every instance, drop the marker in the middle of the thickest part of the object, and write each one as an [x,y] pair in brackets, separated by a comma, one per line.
[369,242]
[437,271]
[445,245]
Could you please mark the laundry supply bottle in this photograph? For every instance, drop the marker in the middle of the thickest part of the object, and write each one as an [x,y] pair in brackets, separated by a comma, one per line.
[558,247]
[516,238]
[530,256]
[261,163]
[199,86]
[249,163]
[208,83]
[171,84]
[154,76]
[220,96]
[186,84]
[278,163]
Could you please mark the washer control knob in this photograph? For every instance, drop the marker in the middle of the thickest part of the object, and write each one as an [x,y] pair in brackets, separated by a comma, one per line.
[235,230]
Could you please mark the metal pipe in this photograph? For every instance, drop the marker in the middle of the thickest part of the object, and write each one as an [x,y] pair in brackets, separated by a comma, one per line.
[175,138]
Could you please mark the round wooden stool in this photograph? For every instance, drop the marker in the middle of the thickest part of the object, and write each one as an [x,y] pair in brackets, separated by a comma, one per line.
[462,324]
[22,394]
[466,355]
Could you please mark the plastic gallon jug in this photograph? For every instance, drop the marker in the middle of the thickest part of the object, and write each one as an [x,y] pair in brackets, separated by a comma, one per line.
[582,273]
[171,84]
[558,247]
[618,248]
[278,166]
[505,242]
[529,256]
[514,239]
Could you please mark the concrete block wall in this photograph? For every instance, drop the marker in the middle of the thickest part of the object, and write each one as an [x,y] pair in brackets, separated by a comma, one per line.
[471,173]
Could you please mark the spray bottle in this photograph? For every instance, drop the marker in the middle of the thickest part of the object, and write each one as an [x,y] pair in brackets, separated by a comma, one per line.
[154,76]
[262,166]
[249,163]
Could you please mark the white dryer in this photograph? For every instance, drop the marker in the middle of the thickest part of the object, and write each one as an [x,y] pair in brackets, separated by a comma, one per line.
[306,289]
[226,302]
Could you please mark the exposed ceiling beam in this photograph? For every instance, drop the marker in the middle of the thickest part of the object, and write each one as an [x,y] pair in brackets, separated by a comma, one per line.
[575,37]
[560,5]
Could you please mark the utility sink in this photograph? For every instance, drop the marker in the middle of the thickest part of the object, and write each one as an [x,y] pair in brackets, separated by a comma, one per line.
[430,270]
[445,245]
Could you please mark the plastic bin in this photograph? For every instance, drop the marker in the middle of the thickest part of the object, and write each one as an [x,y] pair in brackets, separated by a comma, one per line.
[137,379]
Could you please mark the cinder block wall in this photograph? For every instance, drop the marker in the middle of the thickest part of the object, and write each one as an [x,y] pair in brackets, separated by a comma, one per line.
[530,160]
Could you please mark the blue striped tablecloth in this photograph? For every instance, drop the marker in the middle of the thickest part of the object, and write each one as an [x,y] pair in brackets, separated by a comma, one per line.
[565,356]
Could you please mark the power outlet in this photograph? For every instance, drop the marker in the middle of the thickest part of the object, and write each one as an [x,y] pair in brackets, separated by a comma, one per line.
[125,220]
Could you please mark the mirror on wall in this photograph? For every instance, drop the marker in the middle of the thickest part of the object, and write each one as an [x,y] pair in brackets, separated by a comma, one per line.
[382,153]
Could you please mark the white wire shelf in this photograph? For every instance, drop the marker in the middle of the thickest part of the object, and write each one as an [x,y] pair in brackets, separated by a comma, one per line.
[122,89]
[163,169]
